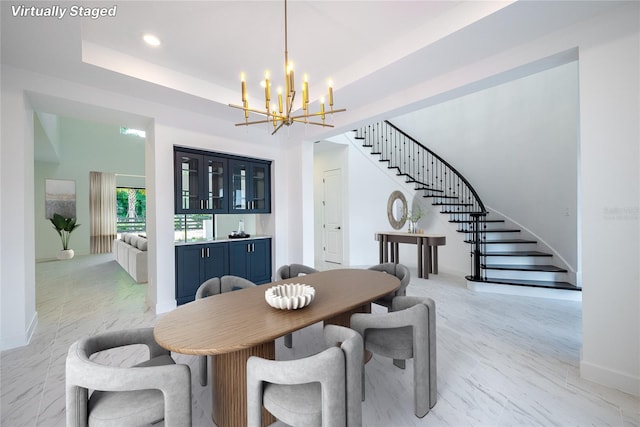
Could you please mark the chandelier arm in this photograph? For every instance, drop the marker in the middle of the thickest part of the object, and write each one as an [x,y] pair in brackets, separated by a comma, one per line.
[251,110]
[293,97]
[254,122]
[277,129]
[327,125]
[317,114]
[261,112]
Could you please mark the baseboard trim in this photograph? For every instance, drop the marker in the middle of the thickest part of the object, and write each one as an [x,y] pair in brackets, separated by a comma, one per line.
[7,343]
[526,291]
[610,377]
[166,306]
[32,327]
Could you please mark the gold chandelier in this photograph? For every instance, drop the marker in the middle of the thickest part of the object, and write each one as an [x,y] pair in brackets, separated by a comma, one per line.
[280,114]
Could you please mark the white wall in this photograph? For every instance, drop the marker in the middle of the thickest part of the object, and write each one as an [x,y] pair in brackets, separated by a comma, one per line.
[298,186]
[610,202]
[84,146]
[17,274]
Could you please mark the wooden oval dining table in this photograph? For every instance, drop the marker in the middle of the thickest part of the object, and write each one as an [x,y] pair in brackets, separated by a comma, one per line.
[233,326]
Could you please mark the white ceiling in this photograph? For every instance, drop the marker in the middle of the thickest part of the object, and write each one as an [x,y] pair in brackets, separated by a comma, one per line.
[370,49]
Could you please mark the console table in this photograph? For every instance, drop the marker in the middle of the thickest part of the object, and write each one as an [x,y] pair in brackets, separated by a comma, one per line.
[427,248]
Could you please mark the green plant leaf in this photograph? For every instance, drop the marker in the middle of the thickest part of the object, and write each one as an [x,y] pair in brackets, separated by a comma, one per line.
[64,227]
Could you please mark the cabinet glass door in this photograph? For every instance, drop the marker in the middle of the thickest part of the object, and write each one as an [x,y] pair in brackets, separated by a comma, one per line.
[216,184]
[259,183]
[189,181]
[239,186]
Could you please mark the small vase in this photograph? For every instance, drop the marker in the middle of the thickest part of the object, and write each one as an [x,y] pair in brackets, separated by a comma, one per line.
[65,254]
[412,226]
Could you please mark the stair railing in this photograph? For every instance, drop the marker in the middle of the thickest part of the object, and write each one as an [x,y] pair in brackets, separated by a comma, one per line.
[432,175]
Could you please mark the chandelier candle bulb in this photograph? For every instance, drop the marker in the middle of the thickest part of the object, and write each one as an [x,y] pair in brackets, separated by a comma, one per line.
[243,85]
[267,90]
[290,78]
[305,92]
[280,99]
[330,96]
[322,108]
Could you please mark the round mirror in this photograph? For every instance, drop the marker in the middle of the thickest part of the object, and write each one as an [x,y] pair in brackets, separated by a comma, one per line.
[397,210]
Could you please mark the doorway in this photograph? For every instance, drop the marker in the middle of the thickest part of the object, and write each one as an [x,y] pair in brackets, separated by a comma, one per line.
[332,216]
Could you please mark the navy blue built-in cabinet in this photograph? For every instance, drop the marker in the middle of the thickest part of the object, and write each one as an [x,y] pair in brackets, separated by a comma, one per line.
[201,183]
[251,259]
[213,183]
[197,263]
[217,183]
[250,186]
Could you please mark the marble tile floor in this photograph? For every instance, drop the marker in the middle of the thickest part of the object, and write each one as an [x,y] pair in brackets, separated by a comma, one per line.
[502,360]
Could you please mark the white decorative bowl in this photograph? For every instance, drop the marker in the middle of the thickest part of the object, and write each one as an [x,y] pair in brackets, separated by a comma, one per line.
[290,296]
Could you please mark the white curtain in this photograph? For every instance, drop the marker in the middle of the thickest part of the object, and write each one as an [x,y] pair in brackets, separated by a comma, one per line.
[102,211]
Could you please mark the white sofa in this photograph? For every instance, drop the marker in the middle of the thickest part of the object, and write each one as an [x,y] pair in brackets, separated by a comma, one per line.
[130,250]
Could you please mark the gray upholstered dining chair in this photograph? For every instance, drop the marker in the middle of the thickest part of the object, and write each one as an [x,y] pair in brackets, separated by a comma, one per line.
[320,390]
[148,392]
[215,286]
[408,331]
[232,283]
[402,273]
[287,272]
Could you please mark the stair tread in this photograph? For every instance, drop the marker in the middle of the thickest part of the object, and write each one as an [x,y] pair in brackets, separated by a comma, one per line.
[451,204]
[458,212]
[532,283]
[489,242]
[525,267]
[495,230]
[470,221]
[519,253]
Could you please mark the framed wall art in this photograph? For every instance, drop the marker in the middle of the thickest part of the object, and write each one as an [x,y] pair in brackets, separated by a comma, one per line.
[60,198]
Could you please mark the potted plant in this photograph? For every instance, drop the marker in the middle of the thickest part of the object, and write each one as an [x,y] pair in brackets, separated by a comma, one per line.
[414,217]
[64,227]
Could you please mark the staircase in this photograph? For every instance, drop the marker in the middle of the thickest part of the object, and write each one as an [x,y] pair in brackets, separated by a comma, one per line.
[501,257]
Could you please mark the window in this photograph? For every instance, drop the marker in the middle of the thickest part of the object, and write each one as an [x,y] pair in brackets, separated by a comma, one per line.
[193,227]
[131,209]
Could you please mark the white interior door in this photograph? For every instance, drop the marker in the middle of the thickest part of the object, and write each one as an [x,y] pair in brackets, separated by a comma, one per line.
[332,215]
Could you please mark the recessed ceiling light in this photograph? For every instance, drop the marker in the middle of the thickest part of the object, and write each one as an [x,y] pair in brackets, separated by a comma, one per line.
[151,40]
